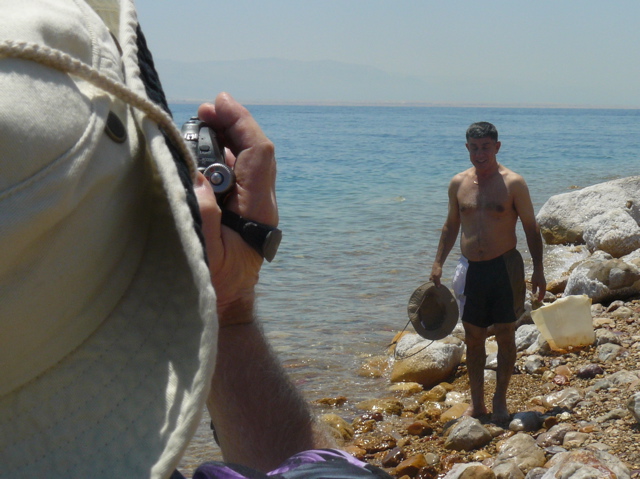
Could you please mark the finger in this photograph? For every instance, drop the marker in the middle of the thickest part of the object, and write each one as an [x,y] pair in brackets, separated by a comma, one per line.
[209,209]
[252,159]
[234,121]
[204,193]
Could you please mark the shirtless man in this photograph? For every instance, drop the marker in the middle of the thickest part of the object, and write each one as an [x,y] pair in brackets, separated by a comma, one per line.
[487,200]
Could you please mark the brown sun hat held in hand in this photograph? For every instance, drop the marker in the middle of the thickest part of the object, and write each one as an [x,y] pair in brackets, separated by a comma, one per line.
[433,311]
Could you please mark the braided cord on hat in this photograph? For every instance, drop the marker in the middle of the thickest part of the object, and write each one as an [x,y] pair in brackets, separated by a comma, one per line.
[66,63]
[153,87]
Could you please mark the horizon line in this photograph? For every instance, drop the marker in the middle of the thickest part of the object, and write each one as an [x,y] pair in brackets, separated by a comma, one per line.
[414,104]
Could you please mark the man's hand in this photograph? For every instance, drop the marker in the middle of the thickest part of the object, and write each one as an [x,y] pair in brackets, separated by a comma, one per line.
[234,265]
[436,274]
[538,284]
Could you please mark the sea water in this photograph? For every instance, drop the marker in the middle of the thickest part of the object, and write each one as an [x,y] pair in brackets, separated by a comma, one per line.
[362,193]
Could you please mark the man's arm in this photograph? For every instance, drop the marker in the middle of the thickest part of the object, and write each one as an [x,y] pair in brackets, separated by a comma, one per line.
[259,416]
[449,232]
[524,208]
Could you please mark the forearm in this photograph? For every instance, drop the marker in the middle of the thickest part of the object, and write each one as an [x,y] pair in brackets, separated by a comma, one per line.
[534,242]
[446,243]
[259,416]
[538,281]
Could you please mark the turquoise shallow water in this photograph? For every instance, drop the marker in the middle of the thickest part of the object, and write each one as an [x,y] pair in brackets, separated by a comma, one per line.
[362,195]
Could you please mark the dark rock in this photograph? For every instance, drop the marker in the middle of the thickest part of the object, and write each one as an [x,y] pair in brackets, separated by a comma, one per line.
[526,421]
[392,458]
[428,472]
[590,371]
[420,428]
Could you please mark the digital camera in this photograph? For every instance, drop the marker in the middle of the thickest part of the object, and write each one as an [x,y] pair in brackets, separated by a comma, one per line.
[209,153]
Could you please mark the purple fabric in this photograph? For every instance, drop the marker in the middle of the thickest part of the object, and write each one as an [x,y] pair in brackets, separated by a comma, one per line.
[313,456]
[313,464]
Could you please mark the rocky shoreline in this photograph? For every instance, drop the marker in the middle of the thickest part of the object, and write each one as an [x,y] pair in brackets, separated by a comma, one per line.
[574,402]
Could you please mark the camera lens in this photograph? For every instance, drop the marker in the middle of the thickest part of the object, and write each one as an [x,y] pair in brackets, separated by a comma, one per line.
[221,177]
[216,179]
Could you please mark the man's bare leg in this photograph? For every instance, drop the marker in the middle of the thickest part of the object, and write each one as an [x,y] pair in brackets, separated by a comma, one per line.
[505,337]
[476,357]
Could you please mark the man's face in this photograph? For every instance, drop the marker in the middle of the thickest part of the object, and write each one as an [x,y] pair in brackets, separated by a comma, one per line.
[482,152]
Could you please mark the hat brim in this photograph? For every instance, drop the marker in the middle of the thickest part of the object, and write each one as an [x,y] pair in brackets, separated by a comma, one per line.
[130,397]
[127,400]
[438,306]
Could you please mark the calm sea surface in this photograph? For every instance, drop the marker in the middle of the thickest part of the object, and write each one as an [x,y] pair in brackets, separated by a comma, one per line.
[363,195]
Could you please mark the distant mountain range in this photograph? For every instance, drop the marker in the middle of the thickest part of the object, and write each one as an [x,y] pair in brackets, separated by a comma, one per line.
[277,80]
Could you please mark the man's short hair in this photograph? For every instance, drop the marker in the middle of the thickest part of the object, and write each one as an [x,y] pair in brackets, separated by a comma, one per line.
[482,129]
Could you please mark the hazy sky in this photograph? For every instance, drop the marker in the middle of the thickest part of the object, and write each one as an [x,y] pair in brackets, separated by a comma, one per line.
[575,52]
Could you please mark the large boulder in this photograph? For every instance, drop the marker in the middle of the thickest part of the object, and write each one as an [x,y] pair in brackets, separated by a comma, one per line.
[604,278]
[563,218]
[426,362]
[614,232]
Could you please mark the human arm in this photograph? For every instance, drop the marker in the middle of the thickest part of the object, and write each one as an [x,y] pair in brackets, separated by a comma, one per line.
[259,416]
[449,233]
[524,208]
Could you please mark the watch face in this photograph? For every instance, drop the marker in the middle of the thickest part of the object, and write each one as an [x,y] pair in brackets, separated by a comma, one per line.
[271,244]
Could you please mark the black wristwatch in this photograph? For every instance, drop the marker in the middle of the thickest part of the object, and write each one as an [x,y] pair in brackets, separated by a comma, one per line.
[263,238]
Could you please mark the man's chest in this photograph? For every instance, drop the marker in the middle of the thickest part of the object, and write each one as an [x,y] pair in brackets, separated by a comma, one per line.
[485,201]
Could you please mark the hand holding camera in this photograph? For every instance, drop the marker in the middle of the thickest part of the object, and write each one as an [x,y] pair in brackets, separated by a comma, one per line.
[210,156]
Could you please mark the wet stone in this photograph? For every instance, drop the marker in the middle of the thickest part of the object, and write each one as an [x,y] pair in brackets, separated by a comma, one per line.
[411,466]
[394,457]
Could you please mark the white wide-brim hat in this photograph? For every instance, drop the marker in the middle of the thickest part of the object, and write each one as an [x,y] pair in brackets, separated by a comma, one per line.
[108,326]
[433,311]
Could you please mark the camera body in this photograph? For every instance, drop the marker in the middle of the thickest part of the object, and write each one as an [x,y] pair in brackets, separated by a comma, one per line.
[209,153]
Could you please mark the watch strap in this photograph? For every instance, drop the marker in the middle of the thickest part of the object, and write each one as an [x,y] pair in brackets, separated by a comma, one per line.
[263,238]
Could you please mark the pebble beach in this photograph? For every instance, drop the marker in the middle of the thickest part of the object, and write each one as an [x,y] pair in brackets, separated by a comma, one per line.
[583,394]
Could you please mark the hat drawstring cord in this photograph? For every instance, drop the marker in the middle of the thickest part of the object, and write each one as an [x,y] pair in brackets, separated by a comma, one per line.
[393,343]
[66,63]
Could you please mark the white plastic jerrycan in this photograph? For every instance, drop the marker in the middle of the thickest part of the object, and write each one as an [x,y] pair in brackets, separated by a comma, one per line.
[566,322]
